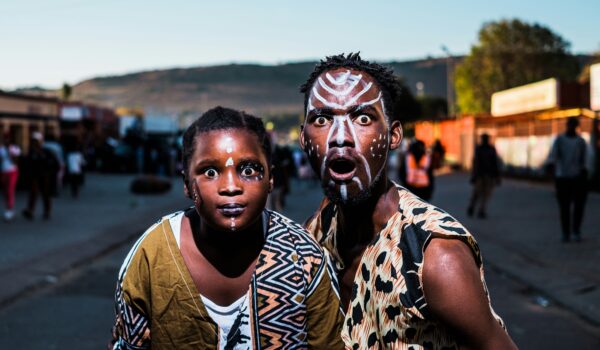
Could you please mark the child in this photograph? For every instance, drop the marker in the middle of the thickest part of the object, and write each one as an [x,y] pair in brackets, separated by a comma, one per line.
[226,274]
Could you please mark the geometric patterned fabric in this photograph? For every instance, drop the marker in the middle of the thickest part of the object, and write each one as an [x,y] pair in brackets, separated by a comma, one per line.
[158,304]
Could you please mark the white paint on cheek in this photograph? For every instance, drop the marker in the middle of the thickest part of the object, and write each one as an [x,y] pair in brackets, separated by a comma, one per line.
[229,162]
[323,166]
[367,167]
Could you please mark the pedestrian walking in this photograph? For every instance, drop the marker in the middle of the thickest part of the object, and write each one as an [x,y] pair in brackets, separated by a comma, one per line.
[75,164]
[42,167]
[419,173]
[568,158]
[9,174]
[438,154]
[484,177]
[51,143]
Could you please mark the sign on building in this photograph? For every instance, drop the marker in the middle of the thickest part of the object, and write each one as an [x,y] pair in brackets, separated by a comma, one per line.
[595,87]
[527,98]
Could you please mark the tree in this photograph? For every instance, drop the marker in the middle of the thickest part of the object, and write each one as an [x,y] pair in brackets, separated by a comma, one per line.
[510,53]
[584,76]
[66,91]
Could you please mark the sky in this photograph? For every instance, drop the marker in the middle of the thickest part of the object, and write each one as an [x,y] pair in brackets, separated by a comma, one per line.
[48,43]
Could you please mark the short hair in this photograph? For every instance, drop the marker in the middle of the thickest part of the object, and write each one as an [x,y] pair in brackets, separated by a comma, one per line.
[221,118]
[387,82]
[573,122]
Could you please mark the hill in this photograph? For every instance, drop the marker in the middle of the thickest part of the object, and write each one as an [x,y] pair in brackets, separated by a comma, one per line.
[260,89]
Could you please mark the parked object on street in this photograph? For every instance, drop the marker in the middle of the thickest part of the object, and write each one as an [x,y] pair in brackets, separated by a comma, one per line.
[568,158]
[150,184]
[485,176]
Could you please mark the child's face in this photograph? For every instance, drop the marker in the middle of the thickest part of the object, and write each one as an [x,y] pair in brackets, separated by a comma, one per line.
[229,179]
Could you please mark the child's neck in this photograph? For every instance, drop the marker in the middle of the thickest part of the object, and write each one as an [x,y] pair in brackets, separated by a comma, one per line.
[230,252]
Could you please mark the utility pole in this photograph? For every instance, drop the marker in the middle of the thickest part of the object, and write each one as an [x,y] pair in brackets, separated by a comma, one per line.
[449,81]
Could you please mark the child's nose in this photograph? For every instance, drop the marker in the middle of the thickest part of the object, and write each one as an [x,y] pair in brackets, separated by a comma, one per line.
[230,185]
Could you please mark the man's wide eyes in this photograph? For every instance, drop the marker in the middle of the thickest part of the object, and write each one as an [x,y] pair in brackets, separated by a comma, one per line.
[363,119]
[320,120]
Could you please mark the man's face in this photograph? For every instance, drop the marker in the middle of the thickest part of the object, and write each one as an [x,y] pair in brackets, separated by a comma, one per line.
[346,133]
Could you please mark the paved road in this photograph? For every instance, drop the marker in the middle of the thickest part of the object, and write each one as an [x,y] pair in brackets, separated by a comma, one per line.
[77,311]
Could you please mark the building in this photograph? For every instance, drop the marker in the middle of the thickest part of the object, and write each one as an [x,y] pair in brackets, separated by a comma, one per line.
[523,124]
[21,115]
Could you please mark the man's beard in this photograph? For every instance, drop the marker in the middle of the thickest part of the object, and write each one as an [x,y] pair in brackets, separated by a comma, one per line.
[364,194]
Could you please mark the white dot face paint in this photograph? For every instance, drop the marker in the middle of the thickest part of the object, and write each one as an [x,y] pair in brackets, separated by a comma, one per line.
[339,97]
[229,162]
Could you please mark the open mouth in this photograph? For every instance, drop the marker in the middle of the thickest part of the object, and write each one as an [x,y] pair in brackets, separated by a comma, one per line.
[341,169]
[231,210]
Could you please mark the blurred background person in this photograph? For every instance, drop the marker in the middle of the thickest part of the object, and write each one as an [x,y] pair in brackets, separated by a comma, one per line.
[438,153]
[418,173]
[41,167]
[485,175]
[52,144]
[75,164]
[9,174]
[568,158]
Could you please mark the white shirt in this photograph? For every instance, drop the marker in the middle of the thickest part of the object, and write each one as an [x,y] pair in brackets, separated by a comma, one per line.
[6,163]
[237,333]
[74,162]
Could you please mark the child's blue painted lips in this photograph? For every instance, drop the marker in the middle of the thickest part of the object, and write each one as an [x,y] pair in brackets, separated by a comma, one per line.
[231,209]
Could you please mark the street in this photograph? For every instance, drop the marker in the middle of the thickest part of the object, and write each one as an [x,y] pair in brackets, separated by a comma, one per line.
[76,311]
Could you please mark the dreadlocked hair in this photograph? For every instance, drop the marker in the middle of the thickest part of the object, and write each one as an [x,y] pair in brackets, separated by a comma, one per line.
[387,82]
[220,118]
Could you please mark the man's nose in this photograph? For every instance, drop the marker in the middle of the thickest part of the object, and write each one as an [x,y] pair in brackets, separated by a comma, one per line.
[342,134]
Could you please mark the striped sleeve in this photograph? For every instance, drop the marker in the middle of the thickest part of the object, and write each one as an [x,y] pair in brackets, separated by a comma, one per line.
[132,301]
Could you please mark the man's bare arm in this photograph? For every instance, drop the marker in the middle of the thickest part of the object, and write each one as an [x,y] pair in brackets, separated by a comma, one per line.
[456,297]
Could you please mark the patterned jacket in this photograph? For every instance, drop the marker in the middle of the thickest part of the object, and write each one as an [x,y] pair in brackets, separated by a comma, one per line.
[293,302]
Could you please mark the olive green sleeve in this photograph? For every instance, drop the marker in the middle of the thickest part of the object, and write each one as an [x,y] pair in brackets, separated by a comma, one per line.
[324,317]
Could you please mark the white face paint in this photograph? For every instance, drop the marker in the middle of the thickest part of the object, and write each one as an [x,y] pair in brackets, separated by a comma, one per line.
[227,144]
[345,89]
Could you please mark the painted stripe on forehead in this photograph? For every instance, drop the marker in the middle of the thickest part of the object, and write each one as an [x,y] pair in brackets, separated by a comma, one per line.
[339,93]
[347,103]
[341,78]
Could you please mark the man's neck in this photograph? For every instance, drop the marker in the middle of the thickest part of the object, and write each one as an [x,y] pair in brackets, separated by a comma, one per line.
[359,223]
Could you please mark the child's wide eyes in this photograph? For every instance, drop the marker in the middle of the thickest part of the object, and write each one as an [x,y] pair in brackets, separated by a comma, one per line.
[248,171]
[210,173]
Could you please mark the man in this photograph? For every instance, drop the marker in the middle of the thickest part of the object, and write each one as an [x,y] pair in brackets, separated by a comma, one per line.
[485,175]
[568,156]
[42,167]
[410,275]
